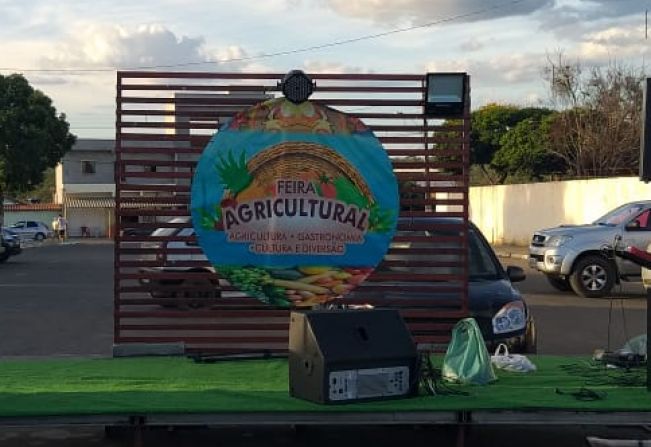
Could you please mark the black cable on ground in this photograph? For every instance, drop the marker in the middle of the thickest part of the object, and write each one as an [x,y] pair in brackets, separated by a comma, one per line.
[599,374]
[583,394]
[431,379]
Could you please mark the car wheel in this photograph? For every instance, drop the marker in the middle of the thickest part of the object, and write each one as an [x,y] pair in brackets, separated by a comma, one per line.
[4,256]
[558,283]
[593,277]
[39,236]
[530,338]
[209,290]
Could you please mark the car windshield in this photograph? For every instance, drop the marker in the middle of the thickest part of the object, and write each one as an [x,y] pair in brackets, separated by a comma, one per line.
[620,214]
[482,264]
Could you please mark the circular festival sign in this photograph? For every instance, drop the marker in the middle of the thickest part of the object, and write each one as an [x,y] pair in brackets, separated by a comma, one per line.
[294,204]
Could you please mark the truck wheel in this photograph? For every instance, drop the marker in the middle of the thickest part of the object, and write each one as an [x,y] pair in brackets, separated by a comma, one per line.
[558,283]
[593,277]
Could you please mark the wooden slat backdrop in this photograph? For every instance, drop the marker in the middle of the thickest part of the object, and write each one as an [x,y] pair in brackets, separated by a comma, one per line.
[163,122]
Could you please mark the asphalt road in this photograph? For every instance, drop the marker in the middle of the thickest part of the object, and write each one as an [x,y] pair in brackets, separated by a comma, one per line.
[568,324]
[56,300]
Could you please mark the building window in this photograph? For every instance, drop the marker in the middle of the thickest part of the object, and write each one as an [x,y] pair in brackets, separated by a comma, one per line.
[87,167]
[151,168]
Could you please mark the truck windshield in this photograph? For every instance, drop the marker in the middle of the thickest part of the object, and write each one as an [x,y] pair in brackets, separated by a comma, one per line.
[620,214]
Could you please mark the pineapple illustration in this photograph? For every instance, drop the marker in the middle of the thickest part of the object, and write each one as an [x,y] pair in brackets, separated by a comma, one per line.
[233,173]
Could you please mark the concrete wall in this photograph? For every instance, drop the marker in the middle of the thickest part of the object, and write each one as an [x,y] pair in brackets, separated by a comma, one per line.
[509,214]
[97,220]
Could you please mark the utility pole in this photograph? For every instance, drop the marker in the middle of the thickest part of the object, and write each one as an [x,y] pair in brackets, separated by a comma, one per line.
[646,37]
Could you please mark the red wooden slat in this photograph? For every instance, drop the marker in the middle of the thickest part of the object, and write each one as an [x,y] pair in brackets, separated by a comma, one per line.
[136,74]
[207,327]
[207,339]
[201,313]
[209,115]
[156,212]
[128,187]
[216,101]
[168,275]
[267,88]
[171,163]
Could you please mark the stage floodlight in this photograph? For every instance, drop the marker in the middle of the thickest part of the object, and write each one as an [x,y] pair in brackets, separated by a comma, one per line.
[446,95]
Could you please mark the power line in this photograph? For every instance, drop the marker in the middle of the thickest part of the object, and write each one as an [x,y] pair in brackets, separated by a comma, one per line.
[281,53]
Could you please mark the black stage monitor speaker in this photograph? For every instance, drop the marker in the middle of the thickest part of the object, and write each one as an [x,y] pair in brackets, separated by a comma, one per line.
[342,356]
[645,135]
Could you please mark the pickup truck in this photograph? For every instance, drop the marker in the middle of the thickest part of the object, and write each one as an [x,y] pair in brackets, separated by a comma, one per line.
[580,258]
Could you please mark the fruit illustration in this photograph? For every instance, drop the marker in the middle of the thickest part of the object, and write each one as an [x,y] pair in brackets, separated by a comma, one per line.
[228,202]
[328,189]
[300,286]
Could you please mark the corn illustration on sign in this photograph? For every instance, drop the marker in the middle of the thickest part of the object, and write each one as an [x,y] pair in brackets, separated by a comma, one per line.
[294,204]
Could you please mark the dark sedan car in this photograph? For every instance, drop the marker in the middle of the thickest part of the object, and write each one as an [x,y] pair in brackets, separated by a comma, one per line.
[496,305]
[11,242]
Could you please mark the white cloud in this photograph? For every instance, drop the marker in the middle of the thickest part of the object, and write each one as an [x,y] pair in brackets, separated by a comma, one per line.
[316,66]
[502,71]
[423,11]
[613,43]
[472,44]
[98,45]
[569,19]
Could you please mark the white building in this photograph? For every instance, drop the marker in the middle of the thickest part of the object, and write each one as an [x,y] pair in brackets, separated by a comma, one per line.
[85,186]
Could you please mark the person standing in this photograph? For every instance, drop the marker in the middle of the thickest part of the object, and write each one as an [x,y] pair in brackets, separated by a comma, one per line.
[61,227]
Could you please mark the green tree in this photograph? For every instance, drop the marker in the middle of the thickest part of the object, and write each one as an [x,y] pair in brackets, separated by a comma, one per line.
[44,191]
[33,137]
[525,150]
[490,124]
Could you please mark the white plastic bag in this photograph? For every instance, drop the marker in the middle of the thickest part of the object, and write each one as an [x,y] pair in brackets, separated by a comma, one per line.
[501,359]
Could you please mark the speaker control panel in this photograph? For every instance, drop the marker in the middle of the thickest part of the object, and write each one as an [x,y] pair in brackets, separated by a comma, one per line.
[368,383]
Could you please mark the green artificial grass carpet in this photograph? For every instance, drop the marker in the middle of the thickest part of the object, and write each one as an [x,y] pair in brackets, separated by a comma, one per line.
[178,385]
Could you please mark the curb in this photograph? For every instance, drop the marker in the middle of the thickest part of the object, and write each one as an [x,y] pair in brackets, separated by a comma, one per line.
[512,255]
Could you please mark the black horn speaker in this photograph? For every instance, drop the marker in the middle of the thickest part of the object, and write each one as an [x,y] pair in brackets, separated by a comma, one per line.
[341,356]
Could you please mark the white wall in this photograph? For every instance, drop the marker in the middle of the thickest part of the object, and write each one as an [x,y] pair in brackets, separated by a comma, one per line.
[96,219]
[90,188]
[509,214]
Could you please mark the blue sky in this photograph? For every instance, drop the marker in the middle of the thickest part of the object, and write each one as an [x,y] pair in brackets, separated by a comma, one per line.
[503,44]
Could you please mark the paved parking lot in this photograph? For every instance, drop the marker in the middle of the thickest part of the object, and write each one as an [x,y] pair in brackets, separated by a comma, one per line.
[57,300]
[569,325]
